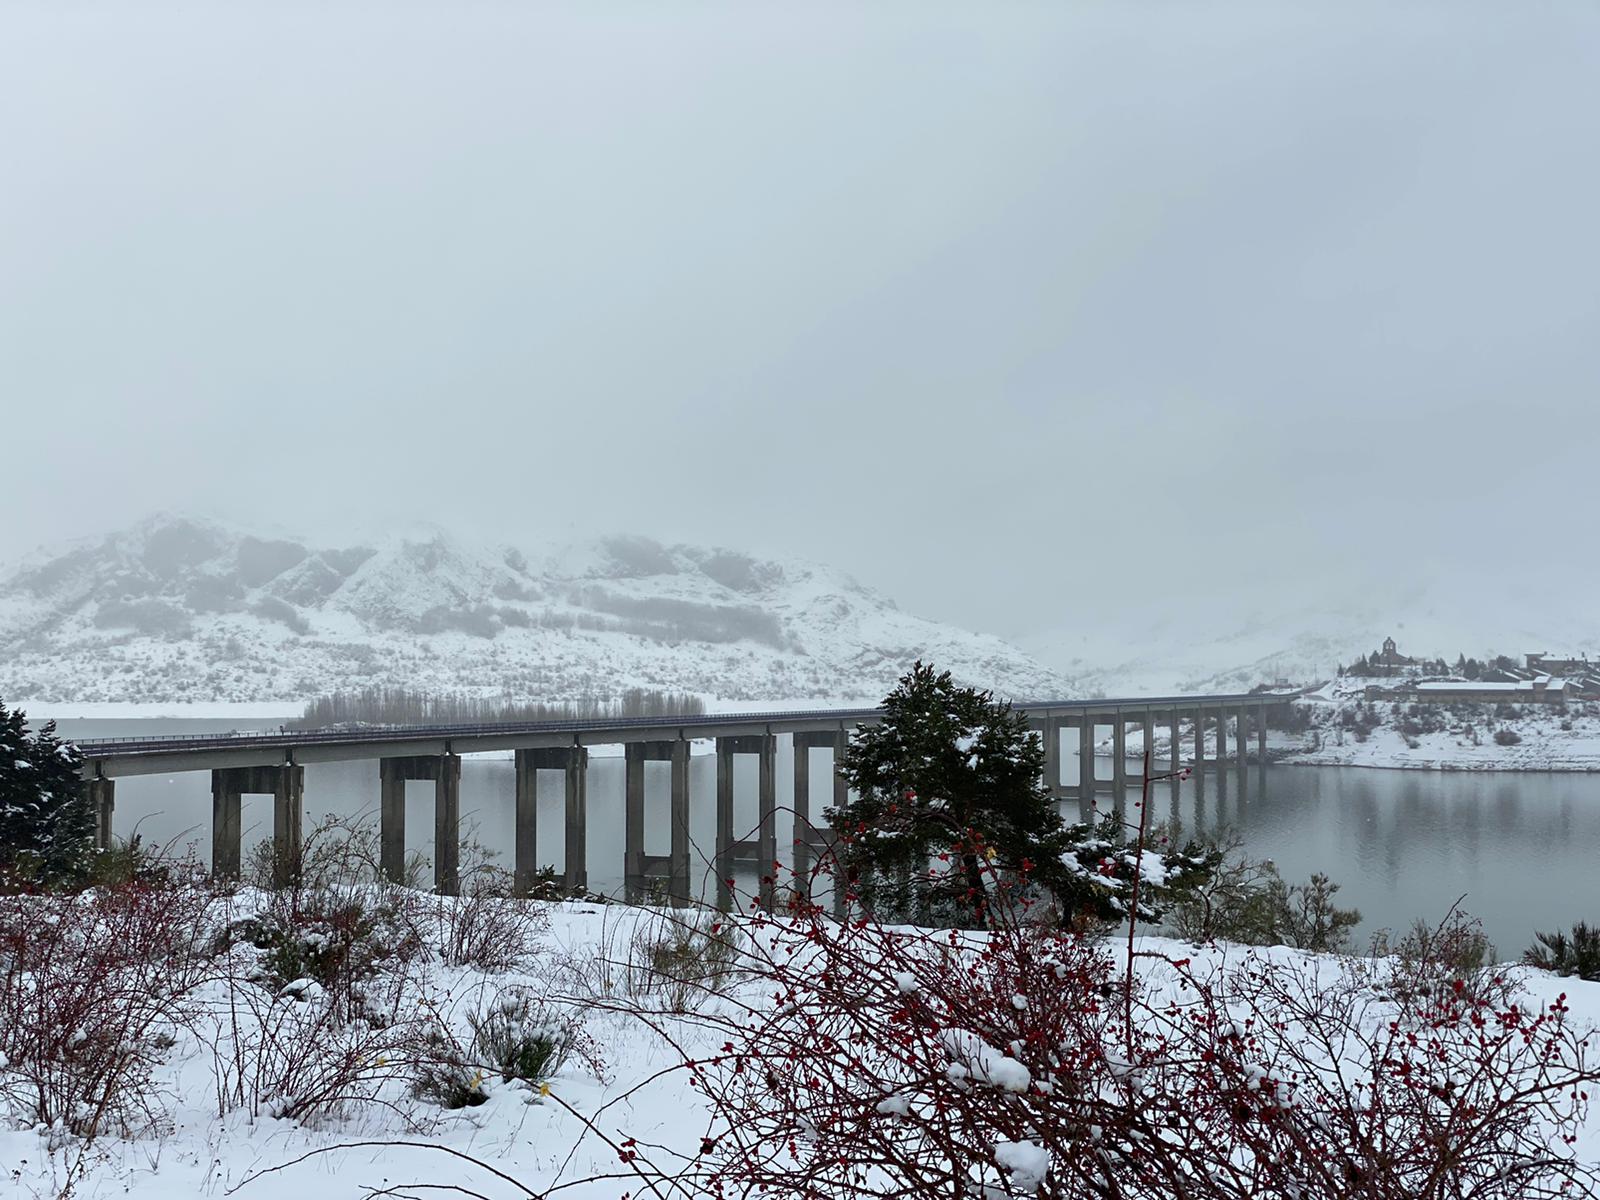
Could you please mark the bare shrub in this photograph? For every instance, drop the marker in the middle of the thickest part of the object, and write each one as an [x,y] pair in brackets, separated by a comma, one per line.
[335,923]
[1433,962]
[292,1054]
[94,989]
[682,959]
[1022,1060]
[485,927]
[442,1072]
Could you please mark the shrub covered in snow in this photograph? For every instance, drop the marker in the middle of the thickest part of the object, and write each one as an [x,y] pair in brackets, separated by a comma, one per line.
[519,1038]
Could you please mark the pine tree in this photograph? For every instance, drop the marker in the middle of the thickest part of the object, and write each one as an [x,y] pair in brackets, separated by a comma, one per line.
[950,775]
[46,824]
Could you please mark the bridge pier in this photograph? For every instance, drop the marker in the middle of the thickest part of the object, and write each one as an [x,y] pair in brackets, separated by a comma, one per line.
[1199,741]
[810,840]
[102,802]
[1086,779]
[1241,735]
[444,771]
[763,848]
[1050,732]
[638,868]
[1175,747]
[571,761]
[1119,763]
[1074,791]
[229,785]
[1261,736]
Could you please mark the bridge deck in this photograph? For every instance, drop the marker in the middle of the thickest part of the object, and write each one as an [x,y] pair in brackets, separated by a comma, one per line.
[192,752]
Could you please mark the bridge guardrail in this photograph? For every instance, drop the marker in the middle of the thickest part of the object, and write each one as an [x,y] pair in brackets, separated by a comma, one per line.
[93,748]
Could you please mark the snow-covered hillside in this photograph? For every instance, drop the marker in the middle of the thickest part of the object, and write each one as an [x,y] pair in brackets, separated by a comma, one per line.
[1180,642]
[177,610]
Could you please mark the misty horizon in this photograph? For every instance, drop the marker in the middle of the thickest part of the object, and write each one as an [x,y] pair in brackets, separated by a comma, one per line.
[1028,318]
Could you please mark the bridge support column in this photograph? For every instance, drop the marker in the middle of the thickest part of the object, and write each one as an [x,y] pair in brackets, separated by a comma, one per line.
[1067,791]
[229,785]
[761,850]
[1051,733]
[803,831]
[1175,748]
[1119,766]
[102,802]
[1242,738]
[392,819]
[639,868]
[225,832]
[571,761]
[811,841]
[444,772]
[1086,779]
[678,867]
[576,871]
[1199,741]
[447,826]
[288,805]
[526,838]
[1147,726]
[841,797]
[1261,736]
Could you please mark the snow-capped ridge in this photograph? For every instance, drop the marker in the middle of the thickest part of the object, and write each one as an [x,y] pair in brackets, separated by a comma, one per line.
[174,609]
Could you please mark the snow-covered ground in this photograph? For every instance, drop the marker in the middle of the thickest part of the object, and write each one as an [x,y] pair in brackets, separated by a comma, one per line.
[1549,738]
[1460,737]
[536,1142]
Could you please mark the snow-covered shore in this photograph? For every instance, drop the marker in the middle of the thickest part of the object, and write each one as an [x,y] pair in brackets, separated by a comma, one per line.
[536,1142]
[1344,731]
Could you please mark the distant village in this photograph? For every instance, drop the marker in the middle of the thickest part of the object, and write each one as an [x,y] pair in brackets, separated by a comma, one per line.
[1542,678]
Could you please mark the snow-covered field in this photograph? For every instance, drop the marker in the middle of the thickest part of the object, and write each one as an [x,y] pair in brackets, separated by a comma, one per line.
[534,1142]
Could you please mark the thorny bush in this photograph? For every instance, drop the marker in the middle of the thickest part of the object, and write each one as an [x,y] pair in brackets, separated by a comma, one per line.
[94,988]
[1026,1061]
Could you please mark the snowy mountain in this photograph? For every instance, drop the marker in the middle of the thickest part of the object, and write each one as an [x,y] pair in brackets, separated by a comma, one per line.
[182,610]
[1215,643]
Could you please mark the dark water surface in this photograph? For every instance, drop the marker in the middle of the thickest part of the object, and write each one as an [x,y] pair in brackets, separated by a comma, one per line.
[1521,846]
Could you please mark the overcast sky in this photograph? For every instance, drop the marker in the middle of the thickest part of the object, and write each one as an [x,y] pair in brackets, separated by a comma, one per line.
[1014,311]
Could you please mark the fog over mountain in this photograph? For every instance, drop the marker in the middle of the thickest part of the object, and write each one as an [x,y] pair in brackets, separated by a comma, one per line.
[1076,323]
[182,610]
[1202,644]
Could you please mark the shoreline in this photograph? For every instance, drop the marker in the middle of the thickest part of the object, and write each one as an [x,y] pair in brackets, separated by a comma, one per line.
[1442,767]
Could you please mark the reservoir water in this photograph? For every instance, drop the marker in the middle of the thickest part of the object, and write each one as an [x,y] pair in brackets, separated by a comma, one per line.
[1521,847]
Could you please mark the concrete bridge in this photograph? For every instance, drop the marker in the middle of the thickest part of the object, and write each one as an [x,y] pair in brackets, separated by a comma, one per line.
[274,764]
